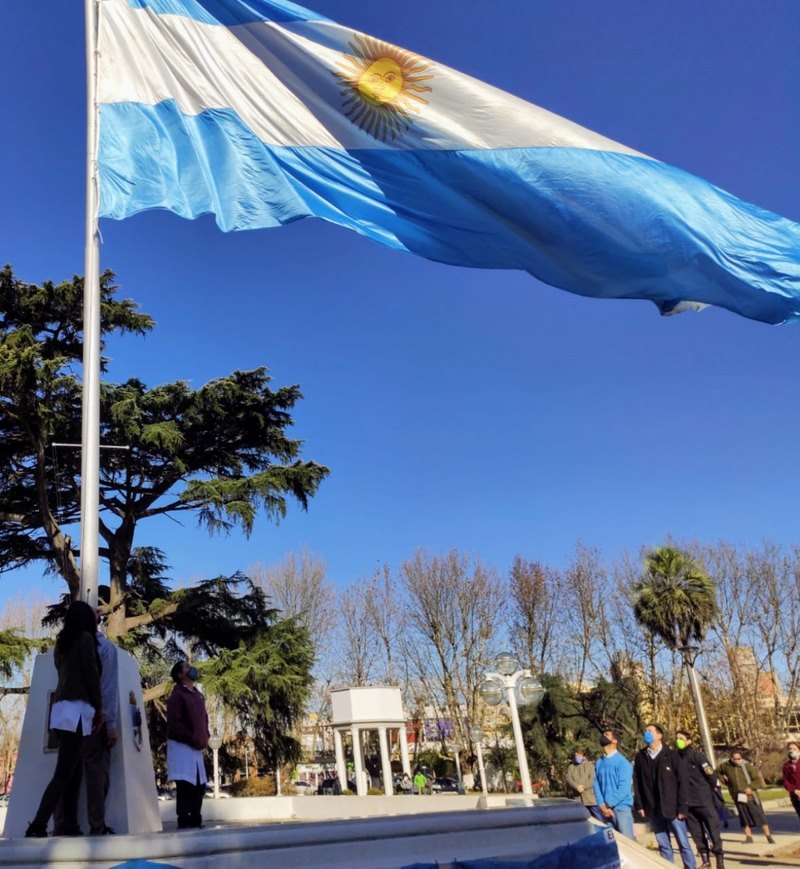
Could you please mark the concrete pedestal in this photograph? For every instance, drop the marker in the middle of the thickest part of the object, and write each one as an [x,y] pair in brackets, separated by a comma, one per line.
[132,804]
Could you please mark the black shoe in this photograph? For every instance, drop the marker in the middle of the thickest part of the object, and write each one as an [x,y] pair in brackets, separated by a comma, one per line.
[748,840]
[770,840]
[35,832]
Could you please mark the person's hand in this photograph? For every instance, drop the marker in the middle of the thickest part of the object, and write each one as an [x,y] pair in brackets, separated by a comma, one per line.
[580,789]
[797,793]
[641,813]
[111,738]
[749,792]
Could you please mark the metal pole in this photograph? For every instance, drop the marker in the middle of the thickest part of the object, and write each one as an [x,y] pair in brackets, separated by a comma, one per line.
[216,773]
[90,418]
[481,769]
[702,721]
[522,760]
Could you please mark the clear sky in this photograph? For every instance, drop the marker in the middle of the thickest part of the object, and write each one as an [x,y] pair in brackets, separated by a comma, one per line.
[456,408]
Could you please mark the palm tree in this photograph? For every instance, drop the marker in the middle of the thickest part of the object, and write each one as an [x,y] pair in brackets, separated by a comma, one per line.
[676,600]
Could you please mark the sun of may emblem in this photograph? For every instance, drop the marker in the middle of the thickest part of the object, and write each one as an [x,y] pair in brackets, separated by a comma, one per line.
[382,87]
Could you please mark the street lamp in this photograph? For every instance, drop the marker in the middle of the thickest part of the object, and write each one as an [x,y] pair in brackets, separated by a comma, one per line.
[517,687]
[689,655]
[476,736]
[214,743]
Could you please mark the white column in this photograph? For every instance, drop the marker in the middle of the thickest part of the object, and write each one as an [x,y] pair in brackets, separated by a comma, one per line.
[386,762]
[341,769]
[404,750]
[358,760]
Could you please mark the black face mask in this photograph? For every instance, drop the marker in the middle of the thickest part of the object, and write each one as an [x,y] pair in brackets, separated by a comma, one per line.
[604,741]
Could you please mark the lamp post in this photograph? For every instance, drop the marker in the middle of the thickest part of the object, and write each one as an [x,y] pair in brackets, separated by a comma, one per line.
[516,686]
[476,735]
[689,655]
[214,743]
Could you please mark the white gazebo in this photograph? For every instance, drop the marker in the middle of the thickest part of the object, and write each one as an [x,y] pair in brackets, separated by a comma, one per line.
[371,708]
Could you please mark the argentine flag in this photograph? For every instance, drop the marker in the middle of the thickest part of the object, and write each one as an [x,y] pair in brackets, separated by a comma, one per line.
[262,112]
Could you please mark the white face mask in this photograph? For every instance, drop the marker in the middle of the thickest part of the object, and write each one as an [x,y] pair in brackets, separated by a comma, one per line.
[794,754]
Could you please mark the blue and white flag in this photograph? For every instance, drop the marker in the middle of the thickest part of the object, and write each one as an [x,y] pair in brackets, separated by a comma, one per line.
[262,112]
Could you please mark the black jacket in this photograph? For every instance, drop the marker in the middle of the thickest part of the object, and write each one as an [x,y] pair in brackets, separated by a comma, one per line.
[659,786]
[700,778]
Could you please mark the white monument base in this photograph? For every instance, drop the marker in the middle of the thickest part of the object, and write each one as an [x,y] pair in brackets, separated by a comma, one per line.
[132,804]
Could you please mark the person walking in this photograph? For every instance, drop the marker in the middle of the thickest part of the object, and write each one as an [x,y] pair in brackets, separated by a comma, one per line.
[743,781]
[187,738]
[612,786]
[420,782]
[77,711]
[791,774]
[702,820]
[661,795]
[579,783]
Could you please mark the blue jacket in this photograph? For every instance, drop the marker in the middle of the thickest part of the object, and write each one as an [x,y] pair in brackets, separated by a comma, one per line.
[613,781]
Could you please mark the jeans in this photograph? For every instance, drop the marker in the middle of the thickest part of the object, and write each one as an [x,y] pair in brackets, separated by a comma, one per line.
[662,827]
[623,821]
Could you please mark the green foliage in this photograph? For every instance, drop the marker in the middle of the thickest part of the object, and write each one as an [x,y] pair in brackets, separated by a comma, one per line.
[266,680]
[255,786]
[220,452]
[675,598]
[14,649]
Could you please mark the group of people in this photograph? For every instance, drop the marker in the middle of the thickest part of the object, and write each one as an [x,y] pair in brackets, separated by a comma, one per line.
[84,716]
[676,789]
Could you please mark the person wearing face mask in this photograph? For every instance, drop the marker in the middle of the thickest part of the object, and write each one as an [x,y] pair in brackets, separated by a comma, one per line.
[187,737]
[791,775]
[743,781]
[612,786]
[661,794]
[702,820]
[579,783]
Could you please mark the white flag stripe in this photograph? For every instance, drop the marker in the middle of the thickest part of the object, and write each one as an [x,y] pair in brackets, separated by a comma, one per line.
[215,67]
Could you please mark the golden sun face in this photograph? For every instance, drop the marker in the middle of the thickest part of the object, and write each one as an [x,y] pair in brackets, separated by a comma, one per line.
[382,87]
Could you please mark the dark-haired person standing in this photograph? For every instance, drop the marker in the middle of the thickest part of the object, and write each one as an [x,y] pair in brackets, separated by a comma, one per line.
[187,738]
[702,820]
[661,795]
[78,708]
[791,774]
[743,781]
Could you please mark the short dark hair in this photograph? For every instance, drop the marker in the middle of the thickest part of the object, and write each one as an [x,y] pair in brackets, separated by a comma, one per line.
[175,672]
[658,727]
[687,733]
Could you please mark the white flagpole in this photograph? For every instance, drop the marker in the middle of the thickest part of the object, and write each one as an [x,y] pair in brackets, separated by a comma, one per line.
[90,422]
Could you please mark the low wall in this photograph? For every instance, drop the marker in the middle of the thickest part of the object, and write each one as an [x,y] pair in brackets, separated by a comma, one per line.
[385,842]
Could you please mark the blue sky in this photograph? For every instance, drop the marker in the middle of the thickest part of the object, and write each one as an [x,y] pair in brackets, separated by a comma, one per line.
[456,408]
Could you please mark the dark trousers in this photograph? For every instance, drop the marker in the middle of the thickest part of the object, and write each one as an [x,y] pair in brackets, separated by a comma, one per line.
[703,824]
[189,803]
[70,756]
[96,762]
[795,802]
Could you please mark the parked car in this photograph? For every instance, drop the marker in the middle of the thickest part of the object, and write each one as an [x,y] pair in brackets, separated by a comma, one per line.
[302,788]
[444,785]
[166,794]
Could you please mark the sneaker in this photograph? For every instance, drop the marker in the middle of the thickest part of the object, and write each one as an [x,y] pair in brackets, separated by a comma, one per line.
[35,832]
[748,840]
[770,840]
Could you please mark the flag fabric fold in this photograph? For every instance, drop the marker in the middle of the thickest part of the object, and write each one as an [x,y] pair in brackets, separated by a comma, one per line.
[263,113]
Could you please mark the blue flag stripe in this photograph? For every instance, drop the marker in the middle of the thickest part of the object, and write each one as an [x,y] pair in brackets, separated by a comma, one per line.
[595,223]
[226,13]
